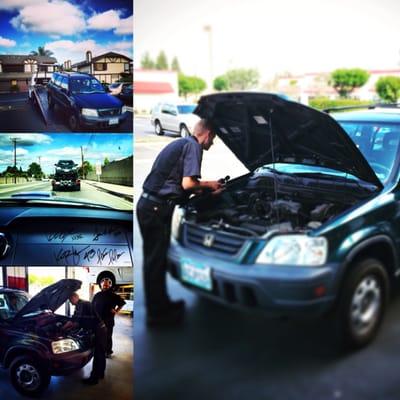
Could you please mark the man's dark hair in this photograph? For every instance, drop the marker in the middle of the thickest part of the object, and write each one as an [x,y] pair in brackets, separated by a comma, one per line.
[207,124]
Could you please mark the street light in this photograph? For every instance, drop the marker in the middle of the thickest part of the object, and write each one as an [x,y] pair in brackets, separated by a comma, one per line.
[208,29]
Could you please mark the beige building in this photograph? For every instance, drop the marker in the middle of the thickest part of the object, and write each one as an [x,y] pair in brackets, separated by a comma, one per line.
[17,70]
[316,84]
[109,67]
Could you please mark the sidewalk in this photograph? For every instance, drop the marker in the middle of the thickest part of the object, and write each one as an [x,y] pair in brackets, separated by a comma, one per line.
[117,190]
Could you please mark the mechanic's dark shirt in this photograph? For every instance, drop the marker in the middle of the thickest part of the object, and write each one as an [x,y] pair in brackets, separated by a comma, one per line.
[84,315]
[103,302]
[180,158]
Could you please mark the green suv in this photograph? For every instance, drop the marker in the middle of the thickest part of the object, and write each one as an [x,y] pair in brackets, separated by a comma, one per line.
[313,229]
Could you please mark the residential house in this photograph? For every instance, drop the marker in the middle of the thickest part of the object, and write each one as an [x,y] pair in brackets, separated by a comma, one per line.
[16,70]
[109,67]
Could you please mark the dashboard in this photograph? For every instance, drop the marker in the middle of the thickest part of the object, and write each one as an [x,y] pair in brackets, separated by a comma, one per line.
[63,236]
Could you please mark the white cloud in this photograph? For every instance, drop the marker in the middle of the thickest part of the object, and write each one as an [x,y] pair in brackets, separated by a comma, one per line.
[76,51]
[65,151]
[111,20]
[125,27]
[26,139]
[104,21]
[4,42]
[53,18]
[17,4]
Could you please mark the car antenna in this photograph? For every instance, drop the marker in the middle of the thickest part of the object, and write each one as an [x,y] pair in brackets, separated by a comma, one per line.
[271,110]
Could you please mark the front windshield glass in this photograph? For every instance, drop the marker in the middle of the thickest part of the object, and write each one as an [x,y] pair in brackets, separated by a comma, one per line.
[90,169]
[378,142]
[186,109]
[11,303]
[85,85]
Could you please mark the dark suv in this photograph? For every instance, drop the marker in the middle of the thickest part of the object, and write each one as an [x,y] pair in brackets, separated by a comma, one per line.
[85,102]
[313,229]
[66,176]
[32,344]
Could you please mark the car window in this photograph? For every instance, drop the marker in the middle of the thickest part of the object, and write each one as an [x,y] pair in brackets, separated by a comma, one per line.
[186,109]
[64,83]
[86,85]
[57,80]
[11,303]
[378,142]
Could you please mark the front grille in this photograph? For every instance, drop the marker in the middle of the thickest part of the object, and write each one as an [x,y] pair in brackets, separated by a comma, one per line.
[221,242]
[109,112]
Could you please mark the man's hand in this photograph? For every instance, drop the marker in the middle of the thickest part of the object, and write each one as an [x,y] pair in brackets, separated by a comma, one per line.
[114,311]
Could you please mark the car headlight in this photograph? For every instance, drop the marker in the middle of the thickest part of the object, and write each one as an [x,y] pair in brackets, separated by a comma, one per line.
[90,112]
[177,218]
[294,250]
[124,109]
[64,346]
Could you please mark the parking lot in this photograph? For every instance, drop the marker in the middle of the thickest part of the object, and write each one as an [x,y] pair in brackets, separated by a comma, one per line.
[223,353]
[18,114]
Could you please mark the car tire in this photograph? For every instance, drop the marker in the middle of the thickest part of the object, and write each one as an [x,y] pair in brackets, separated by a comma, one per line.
[158,128]
[108,275]
[184,131]
[362,304]
[73,122]
[28,377]
[50,101]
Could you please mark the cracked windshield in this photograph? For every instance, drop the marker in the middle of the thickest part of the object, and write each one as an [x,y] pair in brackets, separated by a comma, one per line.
[91,169]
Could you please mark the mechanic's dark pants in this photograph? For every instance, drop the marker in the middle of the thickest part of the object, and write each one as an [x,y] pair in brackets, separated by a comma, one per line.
[155,227]
[110,329]
[99,357]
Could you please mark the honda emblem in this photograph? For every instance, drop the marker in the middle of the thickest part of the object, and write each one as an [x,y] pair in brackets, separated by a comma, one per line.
[208,240]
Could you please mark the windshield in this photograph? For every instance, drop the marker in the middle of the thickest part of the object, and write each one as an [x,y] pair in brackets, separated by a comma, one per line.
[11,303]
[186,109]
[85,85]
[378,142]
[94,169]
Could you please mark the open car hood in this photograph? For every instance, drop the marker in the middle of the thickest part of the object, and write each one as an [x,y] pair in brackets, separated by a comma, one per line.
[51,298]
[300,134]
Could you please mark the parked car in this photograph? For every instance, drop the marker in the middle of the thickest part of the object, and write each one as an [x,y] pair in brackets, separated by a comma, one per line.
[126,95]
[32,344]
[174,118]
[66,176]
[312,229]
[85,102]
[116,88]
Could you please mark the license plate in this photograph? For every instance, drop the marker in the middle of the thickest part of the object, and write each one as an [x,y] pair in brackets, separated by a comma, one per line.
[196,274]
[113,121]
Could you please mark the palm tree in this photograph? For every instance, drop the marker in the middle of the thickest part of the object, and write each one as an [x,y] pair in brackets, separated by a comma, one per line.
[41,51]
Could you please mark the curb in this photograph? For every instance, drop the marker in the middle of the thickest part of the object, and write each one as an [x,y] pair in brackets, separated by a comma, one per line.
[127,197]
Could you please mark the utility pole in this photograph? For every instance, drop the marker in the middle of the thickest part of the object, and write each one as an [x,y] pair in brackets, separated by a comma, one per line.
[82,159]
[208,29]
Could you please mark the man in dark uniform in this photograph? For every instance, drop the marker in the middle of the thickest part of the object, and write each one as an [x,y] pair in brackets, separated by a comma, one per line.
[174,176]
[86,316]
[107,304]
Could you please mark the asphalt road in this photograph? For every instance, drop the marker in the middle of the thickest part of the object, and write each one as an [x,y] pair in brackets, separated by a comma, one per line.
[88,193]
[221,353]
[17,114]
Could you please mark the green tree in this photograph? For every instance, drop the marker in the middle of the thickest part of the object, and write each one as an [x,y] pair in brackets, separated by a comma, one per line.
[220,83]
[345,80]
[161,62]
[85,169]
[35,170]
[242,78]
[41,51]
[147,62]
[388,88]
[106,161]
[175,65]
[190,85]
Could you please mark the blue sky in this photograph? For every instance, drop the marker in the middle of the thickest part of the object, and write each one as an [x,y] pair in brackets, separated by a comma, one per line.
[53,147]
[68,28]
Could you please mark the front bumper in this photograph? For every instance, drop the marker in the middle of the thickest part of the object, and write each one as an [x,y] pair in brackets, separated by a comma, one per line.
[103,122]
[64,364]
[277,291]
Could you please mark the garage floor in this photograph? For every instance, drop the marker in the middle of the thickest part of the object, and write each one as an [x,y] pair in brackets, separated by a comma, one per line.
[116,385]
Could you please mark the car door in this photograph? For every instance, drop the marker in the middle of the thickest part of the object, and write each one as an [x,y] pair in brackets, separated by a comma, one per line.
[64,94]
[167,118]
